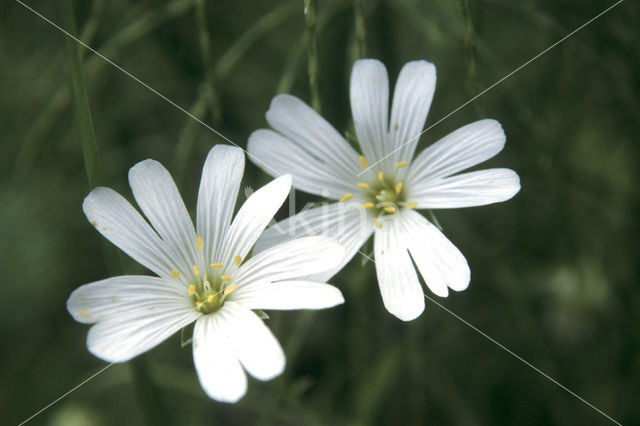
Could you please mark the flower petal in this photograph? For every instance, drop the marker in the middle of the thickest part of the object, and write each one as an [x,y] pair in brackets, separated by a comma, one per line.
[117,220]
[411,101]
[369,94]
[467,190]
[255,345]
[469,145]
[440,263]
[309,173]
[286,295]
[347,223]
[157,195]
[133,314]
[219,187]
[399,285]
[253,217]
[299,123]
[292,259]
[219,371]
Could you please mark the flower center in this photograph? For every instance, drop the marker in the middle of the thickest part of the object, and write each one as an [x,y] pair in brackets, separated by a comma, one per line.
[208,295]
[208,291]
[385,194]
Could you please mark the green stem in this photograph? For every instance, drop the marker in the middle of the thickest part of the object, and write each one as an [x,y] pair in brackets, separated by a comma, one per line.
[187,138]
[147,395]
[204,35]
[358,13]
[312,53]
[84,120]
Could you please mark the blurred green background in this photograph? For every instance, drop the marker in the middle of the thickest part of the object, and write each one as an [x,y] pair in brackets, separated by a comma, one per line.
[555,271]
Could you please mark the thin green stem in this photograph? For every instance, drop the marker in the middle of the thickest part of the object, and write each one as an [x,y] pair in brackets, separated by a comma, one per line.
[58,103]
[312,53]
[471,48]
[361,39]
[204,37]
[147,394]
[84,121]
[187,138]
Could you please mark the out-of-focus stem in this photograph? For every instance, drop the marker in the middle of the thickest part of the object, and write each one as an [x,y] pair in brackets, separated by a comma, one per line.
[213,100]
[148,397]
[312,53]
[361,39]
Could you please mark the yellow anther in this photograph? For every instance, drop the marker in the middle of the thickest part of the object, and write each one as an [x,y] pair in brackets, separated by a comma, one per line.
[230,289]
[398,187]
[226,278]
[367,205]
[199,307]
[217,266]
[363,162]
[237,259]
[401,164]
[377,223]
[210,298]
[192,289]
[346,197]
[195,270]
[380,176]
[94,223]
[390,209]
[362,185]
[175,273]
[199,243]
[411,204]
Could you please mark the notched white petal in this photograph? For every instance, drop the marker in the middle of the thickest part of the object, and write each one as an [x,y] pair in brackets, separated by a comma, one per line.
[256,347]
[286,295]
[219,371]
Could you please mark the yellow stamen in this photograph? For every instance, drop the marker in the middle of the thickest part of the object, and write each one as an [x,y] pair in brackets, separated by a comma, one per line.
[199,243]
[398,187]
[362,185]
[363,162]
[195,270]
[367,205]
[390,209]
[237,259]
[175,273]
[377,223]
[230,289]
[217,266]
[411,204]
[192,289]
[210,298]
[401,164]
[346,197]
[226,278]
[380,176]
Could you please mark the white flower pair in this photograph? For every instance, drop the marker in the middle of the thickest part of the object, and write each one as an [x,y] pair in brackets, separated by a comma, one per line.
[202,272]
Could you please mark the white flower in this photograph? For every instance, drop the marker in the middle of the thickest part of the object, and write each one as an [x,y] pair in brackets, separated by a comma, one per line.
[381,200]
[202,273]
